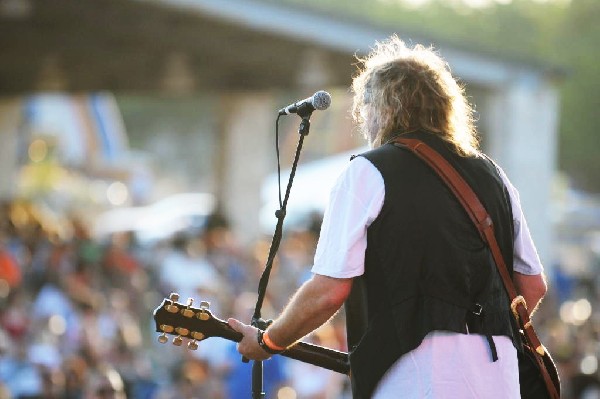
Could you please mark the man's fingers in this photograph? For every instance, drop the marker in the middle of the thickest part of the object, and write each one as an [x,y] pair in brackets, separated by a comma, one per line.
[235,324]
[241,327]
[248,346]
[238,325]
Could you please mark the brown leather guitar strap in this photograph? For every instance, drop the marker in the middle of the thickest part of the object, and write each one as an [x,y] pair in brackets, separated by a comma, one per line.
[480,217]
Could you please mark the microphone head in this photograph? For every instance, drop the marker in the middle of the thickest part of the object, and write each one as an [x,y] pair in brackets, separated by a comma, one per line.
[321,100]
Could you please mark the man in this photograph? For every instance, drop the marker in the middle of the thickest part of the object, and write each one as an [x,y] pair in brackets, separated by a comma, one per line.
[438,318]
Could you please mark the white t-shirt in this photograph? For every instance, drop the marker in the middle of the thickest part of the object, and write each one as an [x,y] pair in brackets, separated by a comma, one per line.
[467,370]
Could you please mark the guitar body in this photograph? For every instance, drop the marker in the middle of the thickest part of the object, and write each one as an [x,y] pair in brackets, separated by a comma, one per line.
[532,379]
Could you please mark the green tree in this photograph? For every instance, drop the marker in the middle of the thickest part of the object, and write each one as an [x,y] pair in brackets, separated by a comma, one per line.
[576,44]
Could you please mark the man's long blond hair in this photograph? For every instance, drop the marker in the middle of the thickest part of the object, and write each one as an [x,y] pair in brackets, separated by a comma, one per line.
[411,89]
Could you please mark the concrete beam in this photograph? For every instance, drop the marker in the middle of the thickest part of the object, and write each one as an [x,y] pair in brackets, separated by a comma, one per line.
[521,122]
[248,141]
[10,119]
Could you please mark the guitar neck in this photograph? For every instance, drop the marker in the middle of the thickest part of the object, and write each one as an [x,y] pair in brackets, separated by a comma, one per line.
[303,351]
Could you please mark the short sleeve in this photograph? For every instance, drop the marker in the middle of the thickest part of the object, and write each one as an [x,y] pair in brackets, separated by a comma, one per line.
[526,259]
[355,201]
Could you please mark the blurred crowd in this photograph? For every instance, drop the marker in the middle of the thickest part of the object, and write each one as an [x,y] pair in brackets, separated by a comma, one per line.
[76,314]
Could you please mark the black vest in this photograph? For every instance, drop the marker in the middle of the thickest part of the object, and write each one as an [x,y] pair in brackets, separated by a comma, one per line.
[426,267]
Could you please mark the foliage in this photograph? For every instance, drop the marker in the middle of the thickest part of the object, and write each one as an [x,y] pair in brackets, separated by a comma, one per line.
[563,33]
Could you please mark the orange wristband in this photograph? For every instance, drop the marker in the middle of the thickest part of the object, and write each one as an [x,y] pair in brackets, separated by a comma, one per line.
[267,340]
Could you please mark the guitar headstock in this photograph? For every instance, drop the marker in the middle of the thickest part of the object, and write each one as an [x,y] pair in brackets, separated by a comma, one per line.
[188,322]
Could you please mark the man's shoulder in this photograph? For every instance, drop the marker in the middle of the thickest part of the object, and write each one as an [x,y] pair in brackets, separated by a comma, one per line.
[387,154]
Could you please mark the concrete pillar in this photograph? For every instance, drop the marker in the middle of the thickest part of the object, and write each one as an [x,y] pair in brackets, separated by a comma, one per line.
[521,120]
[247,157]
[10,119]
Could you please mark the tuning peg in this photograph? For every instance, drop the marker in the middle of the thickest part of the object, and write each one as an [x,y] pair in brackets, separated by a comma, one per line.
[172,308]
[193,345]
[198,336]
[177,341]
[204,306]
[182,331]
[187,312]
[163,338]
[166,328]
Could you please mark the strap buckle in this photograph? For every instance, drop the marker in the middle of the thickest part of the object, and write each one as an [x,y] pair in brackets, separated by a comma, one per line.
[515,302]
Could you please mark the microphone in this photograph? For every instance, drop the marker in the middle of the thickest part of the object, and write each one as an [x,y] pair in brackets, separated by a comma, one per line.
[321,100]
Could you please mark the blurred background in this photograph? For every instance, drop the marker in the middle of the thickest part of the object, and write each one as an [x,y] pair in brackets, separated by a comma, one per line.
[137,158]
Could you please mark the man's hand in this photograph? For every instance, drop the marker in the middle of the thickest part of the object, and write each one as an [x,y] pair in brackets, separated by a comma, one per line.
[312,305]
[248,346]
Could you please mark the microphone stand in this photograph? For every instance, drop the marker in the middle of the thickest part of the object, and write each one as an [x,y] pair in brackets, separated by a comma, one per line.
[257,320]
